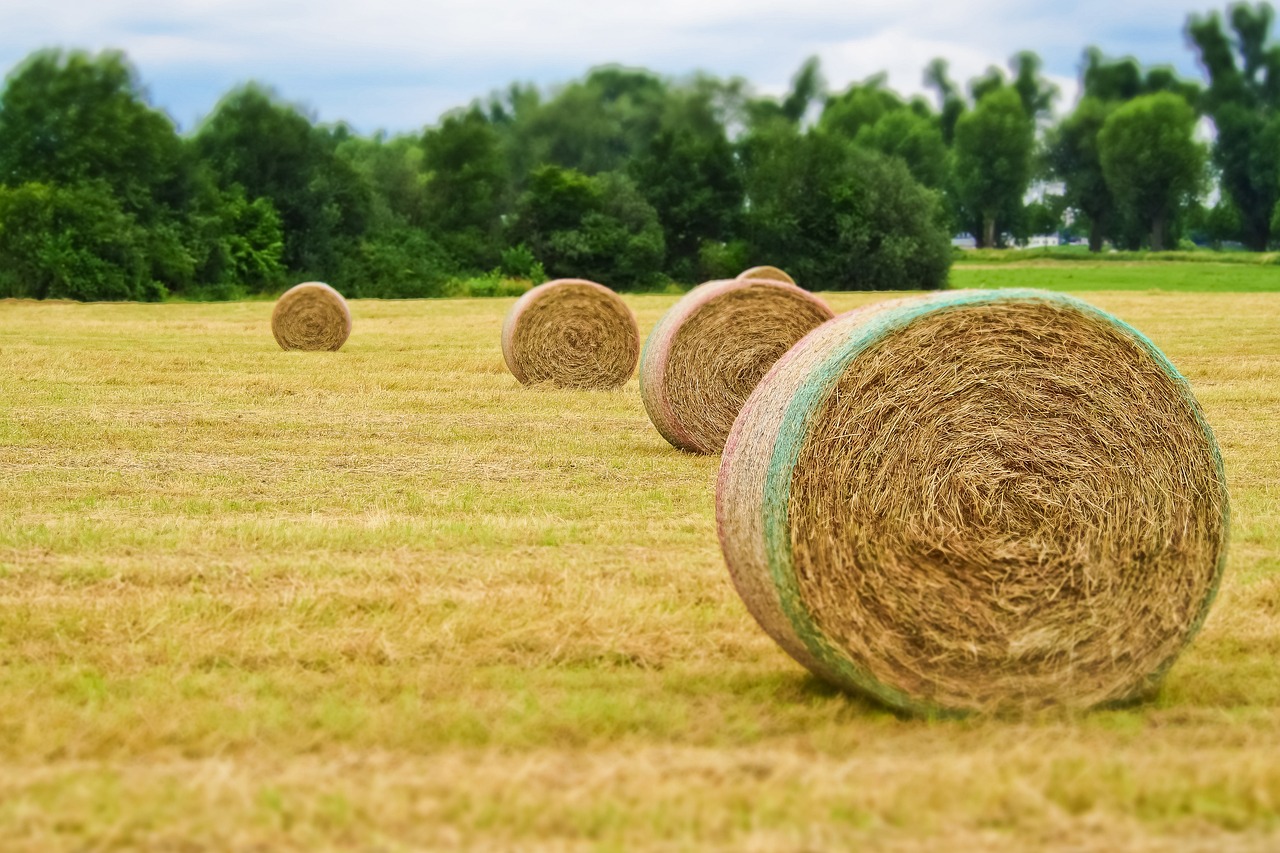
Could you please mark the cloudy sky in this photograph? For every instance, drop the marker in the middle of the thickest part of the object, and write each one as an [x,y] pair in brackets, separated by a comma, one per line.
[397,65]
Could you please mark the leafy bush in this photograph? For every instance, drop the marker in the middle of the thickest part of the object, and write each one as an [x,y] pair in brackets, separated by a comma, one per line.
[717,260]
[72,242]
[599,228]
[403,263]
[519,262]
[490,284]
[839,217]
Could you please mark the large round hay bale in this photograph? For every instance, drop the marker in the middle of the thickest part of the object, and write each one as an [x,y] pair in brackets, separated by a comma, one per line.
[311,316]
[767,273]
[976,502]
[708,352]
[571,333]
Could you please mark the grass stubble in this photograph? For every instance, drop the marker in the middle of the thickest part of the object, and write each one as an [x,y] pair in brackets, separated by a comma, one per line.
[389,599]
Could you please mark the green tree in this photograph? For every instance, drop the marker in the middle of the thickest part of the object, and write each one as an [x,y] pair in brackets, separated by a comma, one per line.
[841,217]
[467,188]
[994,143]
[272,150]
[860,106]
[594,125]
[951,103]
[1072,152]
[1152,164]
[689,175]
[71,119]
[72,242]
[595,227]
[1243,99]
[914,139]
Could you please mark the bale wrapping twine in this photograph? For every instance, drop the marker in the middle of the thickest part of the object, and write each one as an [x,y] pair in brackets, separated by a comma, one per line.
[708,352]
[767,273]
[311,316]
[573,334]
[976,501]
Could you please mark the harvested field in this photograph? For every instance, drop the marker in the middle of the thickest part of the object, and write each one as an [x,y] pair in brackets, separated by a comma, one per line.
[387,598]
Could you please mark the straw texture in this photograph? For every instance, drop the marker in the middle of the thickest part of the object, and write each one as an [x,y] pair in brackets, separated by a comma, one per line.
[311,316]
[767,273]
[706,354]
[976,502]
[571,333]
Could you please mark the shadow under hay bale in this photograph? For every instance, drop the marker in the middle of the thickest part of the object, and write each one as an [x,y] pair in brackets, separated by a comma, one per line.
[976,502]
[707,353]
[311,316]
[571,333]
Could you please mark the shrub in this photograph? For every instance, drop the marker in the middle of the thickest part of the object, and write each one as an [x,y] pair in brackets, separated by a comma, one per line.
[72,242]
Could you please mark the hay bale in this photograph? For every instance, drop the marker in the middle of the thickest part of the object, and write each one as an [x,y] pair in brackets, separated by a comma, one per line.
[311,316]
[708,352]
[573,334]
[976,502]
[767,273]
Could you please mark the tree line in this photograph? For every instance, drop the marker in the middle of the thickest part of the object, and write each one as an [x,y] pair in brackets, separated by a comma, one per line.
[629,178]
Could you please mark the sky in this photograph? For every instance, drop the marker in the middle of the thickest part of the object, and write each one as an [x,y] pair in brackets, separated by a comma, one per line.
[398,66]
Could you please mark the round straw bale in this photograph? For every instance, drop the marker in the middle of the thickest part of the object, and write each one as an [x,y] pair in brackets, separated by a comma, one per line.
[572,333]
[982,501]
[708,352]
[767,273]
[311,316]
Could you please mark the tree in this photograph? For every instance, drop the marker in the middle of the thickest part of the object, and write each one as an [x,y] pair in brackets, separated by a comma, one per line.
[595,227]
[466,189]
[877,118]
[72,242]
[1243,99]
[1152,164]
[1072,152]
[690,176]
[595,125]
[272,150]
[71,118]
[841,217]
[75,119]
[860,106]
[993,147]
[912,138]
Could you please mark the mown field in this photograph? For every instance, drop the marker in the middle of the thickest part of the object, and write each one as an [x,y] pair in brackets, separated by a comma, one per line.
[387,599]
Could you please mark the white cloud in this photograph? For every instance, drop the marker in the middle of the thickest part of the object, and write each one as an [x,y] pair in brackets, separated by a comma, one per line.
[400,64]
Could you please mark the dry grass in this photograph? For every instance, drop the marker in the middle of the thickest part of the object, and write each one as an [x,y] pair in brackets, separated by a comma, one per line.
[387,598]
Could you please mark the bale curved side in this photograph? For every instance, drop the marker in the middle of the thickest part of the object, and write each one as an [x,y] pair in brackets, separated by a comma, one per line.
[571,333]
[976,502]
[767,273]
[706,354]
[311,316]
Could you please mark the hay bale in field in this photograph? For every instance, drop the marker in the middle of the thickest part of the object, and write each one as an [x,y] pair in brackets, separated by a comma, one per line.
[311,316]
[708,352]
[572,333]
[767,273]
[976,502]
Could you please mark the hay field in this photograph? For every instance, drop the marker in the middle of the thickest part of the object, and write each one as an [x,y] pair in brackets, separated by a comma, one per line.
[388,599]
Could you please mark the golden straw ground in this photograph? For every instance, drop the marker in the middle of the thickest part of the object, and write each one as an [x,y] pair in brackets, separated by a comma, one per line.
[402,603]
[573,334]
[708,352]
[311,316]
[976,501]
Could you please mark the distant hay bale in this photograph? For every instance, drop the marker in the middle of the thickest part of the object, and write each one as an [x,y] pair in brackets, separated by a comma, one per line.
[573,334]
[976,502]
[767,273]
[708,352]
[311,316]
